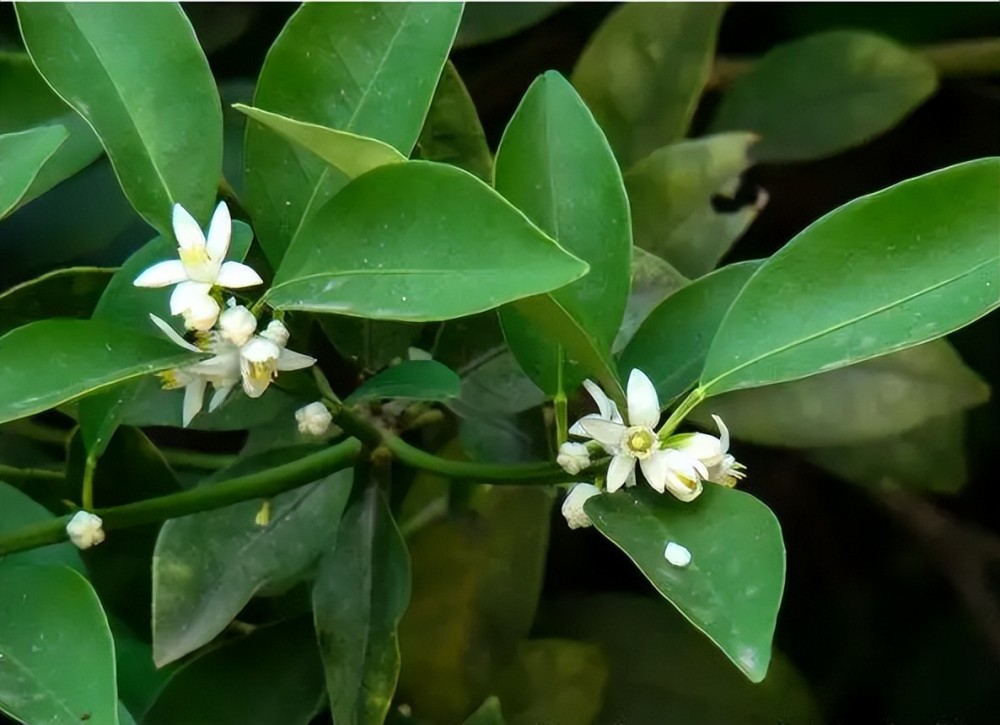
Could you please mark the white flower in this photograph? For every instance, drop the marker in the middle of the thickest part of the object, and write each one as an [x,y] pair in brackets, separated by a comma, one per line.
[200,267]
[677,555]
[573,457]
[237,324]
[85,530]
[572,508]
[712,452]
[607,408]
[313,419]
[262,358]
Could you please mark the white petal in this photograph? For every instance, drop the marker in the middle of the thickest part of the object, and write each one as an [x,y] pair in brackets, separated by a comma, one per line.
[643,404]
[289,360]
[618,472]
[572,508]
[186,294]
[234,275]
[219,397]
[202,314]
[219,231]
[172,334]
[186,230]
[161,274]
[606,406]
[577,428]
[706,448]
[253,386]
[224,366]
[603,431]
[655,469]
[194,397]
[723,433]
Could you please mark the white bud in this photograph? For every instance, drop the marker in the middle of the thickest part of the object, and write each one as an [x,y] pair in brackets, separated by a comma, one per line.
[677,555]
[573,457]
[201,313]
[313,419]
[237,325]
[572,508]
[277,333]
[85,530]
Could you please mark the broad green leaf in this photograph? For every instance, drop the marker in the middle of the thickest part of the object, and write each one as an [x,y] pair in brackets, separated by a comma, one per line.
[362,590]
[71,292]
[348,153]
[476,584]
[930,457]
[873,399]
[671,194]
[46,363]
[555,165]
[488,713]
[415,379]
[653,280]
[732,588]
[644,70]
[372,344]
[207,566]
[17,510]
[452,133]
[884,272]
[671,344]
[354,258]
[661,670]
[22,156]
[151,100]
[554,681]
[845,87]
[139,680]
[51,623]
[498,385]
[487,22]
[272,676]
[365,68]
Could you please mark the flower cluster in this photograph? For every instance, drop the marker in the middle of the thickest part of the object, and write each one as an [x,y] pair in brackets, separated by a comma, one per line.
[238,352]
[678,464]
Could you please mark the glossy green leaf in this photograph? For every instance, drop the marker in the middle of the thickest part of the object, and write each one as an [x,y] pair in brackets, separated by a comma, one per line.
[660,669]
[17,510]
[653,280]
[362,590]
[46,363]
[364,68]
[488,22]
[22,156]
[151,100]
[26,101]
[476,583]
[645,69]
[348,153]
[873,399]
[555,165]
[489,713]
[139,680]
[207,566]
[671,344]
[845,87]
[498,385]
[71,292]
[671,195]
[355,257]
[272,676]
[884,272]
[373,344]
[415,379]
[50,622]
[452,133]
[732,588]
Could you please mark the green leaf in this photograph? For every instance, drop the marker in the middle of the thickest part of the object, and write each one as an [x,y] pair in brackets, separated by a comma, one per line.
[51,623]
[46,363]
[873,399]
[555,165]
[364,68]
[452,133]
[498,385]
[671,192]
[644,70]
[151,100]
[71,292]
[488,713]
[671,344]
[373,344]
[488,22]
[348,153]
[272,676]
[37,106]
[17,510]
[139,680]
[22,156]
[207,566]
[653,280]
[477,579]
[415,379]
[732,588]
[884,272]
[844,86]
[354,258]
[362,590]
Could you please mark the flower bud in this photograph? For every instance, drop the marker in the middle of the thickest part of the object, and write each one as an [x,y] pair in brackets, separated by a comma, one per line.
[573,457]
[277,333]
[677,555]
[237,325]
[572,508]
[313,419]
[85,530]
[201,313]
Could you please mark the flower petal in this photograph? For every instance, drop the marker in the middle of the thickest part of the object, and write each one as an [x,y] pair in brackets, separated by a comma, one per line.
[603,431]
[224,366]
[219,397]
[290,360]
[618,472]
[172,334]
[219,231]
[254,382]
[643,404]
[194,398]
[655,469]
[187,295]
[723,433]
[162,274]
[235,275]
[187,231]
[606,406]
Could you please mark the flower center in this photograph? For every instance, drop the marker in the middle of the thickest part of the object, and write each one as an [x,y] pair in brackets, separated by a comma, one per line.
[262,371]
[640,441]
[194,256]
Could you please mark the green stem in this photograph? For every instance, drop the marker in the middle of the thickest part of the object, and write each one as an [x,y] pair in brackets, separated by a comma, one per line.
[680,412]
[183,458]
[264,484]
[12,473]
[87,495]
[559,401]
[27,428]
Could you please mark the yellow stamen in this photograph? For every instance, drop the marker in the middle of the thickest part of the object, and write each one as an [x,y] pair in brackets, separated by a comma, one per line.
[194,256]
[640,441]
